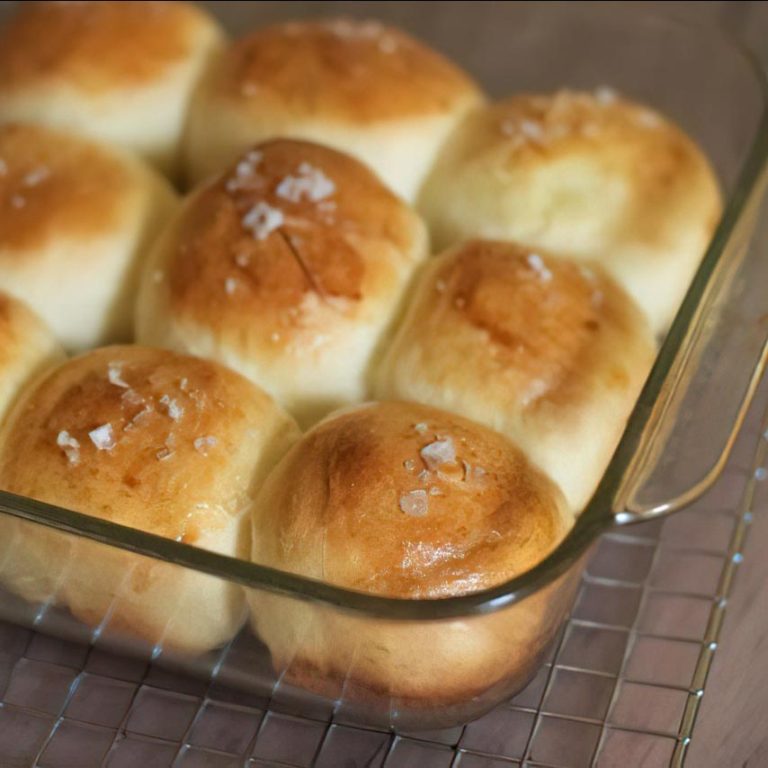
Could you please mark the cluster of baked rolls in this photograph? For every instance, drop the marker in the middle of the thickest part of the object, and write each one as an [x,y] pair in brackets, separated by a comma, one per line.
[358,223]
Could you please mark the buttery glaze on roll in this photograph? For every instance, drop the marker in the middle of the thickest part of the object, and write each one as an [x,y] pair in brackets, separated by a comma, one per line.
[587,175]
[404,501]
[27,347]
[359,86]
[289,268]
[161,442]
[550,352]
[121,72]
[75,219]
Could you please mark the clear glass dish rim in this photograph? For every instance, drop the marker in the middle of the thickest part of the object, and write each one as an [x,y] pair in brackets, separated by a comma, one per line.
[597,516]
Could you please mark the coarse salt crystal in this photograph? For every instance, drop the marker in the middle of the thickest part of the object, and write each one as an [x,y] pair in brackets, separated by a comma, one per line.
[262,219]
[352,29]
[414,503]
[132,397]
[536,263]
[647,118]
[103,437]
[388,44]
[242,260]
[36,175]
[536,389]
[605,95]
[115,375]
[70,446]
[174,410]
[230,285]
[531,130]
[246,167]
[424,476]
[435,491]
[438,452]
[134,422]
[409,464]
[310,184]
[244,171]
[202,444]
[164,454]
[421,427]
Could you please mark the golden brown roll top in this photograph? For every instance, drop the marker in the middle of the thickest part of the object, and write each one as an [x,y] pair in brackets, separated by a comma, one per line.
[588,175]
[406,501]
[550,352]
[117,71]
[289,268]
[146,438]
[360,86]
[27,347]
[75,218]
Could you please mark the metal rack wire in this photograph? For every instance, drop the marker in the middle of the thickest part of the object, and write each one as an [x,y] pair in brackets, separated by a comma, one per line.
[625,679]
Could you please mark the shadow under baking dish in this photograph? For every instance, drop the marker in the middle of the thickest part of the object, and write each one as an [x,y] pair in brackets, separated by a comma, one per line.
[455,658]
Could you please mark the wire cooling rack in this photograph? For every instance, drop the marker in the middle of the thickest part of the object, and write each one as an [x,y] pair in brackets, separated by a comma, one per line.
[621,688]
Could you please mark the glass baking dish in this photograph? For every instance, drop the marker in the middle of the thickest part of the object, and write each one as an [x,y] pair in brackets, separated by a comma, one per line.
[416,664]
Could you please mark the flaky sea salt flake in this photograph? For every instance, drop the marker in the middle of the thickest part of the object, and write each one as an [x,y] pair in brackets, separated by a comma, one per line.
[174,410]
[414,503]
[309,183]
[103,437]
[115,375]
[532,130]
[36,175]
[605,95]
[69,445]
[202,444]
[262,219]
[536,263]
[164,454]
[438,452]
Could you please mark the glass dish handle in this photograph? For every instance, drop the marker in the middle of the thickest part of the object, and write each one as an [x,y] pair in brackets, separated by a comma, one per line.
[682,430]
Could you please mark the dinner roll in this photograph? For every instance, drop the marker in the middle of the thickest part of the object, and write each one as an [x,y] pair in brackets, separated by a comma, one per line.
[359,86]
[168,444]
[116,71]
[590,176]
[549,352]
[75,220]
[404,501]
[289,268]
[27,347]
